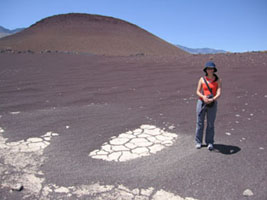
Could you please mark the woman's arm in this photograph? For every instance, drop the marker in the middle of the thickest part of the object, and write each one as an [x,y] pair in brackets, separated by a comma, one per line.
[219,90]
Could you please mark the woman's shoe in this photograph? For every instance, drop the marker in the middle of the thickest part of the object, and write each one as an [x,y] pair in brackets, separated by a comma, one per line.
[210,147]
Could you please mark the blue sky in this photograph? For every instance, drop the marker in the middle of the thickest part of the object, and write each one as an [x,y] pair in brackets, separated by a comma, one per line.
[231,25]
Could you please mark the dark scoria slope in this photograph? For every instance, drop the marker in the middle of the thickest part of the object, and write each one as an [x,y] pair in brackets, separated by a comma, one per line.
[99,97]
[93,34]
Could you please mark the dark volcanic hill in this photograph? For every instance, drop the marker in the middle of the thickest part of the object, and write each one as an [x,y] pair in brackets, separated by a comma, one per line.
[94,34]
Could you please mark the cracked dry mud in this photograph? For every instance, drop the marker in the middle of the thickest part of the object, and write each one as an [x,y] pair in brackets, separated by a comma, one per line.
[21,162]
[144,141]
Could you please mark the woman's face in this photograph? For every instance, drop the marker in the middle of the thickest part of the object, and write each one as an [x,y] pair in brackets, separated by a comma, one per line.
[210,70]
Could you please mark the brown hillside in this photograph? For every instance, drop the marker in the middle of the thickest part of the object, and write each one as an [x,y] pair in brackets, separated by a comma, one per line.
[91,34]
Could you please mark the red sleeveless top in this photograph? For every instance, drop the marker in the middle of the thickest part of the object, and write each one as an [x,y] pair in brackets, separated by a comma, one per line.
[212,84]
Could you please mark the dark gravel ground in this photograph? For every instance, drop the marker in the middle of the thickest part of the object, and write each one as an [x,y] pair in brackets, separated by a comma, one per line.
[99,97]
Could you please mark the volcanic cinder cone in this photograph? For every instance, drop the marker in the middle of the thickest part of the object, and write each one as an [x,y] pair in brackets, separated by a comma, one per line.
[86,33]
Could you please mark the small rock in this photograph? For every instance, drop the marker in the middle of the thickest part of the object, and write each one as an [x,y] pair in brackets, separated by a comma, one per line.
[227,133]
[248,193]
[15,113]
[17,187]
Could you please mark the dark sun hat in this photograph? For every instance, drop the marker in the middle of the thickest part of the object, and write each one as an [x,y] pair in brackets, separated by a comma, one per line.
[211,65]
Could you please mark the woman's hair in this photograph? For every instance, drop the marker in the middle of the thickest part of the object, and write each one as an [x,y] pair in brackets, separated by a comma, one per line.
[216,77]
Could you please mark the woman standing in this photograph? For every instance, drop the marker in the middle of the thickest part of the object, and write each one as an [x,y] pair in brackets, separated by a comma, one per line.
[208,89]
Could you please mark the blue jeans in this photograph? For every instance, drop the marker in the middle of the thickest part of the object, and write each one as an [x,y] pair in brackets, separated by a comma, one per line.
[211,116]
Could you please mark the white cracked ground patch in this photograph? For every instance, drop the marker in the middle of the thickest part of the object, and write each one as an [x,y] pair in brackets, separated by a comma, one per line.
[143,141]
[21,162]
[97,191]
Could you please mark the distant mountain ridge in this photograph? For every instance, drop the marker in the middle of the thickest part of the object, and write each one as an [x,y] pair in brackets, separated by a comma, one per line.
[200,50]
[5,32]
